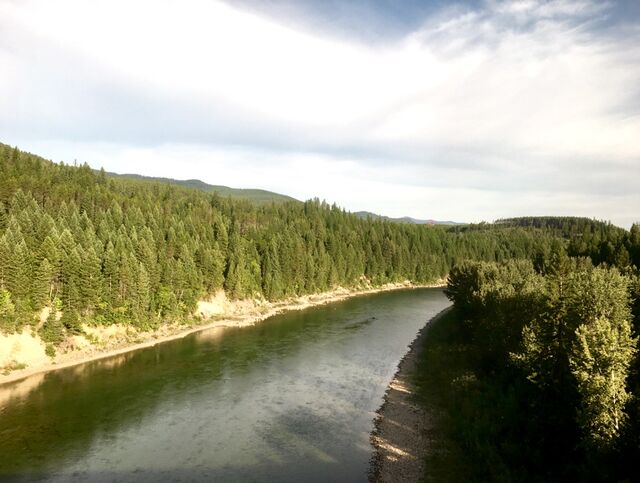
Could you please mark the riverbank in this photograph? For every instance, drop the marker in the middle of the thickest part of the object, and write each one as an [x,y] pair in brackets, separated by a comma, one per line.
[403,431]
[216,312]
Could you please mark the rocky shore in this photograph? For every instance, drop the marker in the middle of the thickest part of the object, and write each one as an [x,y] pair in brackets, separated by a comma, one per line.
[402,435]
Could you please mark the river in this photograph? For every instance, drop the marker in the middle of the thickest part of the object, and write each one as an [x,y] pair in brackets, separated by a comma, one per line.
[290,399]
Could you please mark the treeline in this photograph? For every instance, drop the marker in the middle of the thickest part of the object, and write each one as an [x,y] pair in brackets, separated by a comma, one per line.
[556,374]
[601,241]
[97,249]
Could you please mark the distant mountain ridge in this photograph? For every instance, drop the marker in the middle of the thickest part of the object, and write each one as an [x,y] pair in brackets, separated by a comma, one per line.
[255,195]
[264,196]
[405,219]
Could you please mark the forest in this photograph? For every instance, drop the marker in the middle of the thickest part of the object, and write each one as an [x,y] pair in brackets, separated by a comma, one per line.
[551,359]
[99,250]
[547,308]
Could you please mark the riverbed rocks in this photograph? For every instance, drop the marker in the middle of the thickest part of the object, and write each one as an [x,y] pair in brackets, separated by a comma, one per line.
[401,435]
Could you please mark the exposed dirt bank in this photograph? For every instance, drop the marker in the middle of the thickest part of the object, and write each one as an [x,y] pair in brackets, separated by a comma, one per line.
[401,436]
[24,353]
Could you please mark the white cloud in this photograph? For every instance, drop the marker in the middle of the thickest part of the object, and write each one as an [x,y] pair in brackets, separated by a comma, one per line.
[524,94]
[525,10]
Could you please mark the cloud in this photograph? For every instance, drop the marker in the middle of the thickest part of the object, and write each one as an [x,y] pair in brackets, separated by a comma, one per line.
[511,102]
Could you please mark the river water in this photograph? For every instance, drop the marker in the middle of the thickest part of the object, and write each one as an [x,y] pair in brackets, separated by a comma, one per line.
[290,399]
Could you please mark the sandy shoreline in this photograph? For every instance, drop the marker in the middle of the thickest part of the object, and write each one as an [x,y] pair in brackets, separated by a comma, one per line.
[401,435]
[243,315]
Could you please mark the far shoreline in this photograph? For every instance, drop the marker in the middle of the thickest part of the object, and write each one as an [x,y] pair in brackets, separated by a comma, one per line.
[246,319]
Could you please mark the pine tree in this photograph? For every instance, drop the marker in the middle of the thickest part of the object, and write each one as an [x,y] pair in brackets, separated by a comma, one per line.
[21,270]
[72,282]
[6,267]
[3,216]
[272,285]
[7,311]
[53,330]
[71,321]
[42,285]
[111,273]
[91,279]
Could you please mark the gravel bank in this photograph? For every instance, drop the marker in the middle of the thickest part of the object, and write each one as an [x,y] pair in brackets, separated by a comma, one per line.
[402,434]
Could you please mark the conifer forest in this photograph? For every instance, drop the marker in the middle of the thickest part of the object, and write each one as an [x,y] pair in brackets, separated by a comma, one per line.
[550,305]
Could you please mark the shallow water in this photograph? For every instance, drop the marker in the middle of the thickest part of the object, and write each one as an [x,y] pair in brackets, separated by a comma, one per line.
[290,399]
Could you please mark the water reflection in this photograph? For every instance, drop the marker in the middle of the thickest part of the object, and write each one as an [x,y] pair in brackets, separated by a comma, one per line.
[10,393]
[288,399]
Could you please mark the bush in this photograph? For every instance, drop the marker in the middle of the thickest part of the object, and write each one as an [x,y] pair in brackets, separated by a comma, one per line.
[71,321]
[52,331]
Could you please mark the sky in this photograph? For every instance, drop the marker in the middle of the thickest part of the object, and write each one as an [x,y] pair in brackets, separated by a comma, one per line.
[467,111]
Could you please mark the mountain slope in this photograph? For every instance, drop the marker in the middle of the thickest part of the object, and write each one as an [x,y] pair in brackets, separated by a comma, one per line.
[405,219]
[255,195]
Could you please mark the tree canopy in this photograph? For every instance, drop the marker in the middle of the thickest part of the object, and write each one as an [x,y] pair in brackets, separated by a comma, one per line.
[108,249]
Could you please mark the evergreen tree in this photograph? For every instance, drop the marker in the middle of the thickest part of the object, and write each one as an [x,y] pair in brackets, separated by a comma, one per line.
[7,311]
[21,271]
[53,330]
[42,285]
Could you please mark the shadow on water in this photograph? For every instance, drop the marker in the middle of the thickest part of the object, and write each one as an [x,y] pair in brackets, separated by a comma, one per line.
[153,476]
[359,324]
[287,399]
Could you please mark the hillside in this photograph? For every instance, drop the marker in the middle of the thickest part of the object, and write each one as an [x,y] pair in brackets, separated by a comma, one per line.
[100,250]
[255,195]
[566,226]
[404,219]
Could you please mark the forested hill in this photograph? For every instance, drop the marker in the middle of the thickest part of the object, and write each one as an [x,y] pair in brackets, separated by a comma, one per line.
[100,249]
[255,195]
[566,226]
[404,219]
[600,241]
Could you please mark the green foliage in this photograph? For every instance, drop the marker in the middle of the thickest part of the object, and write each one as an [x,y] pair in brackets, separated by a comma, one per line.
[498,299]
[557,343]
[42,284]
[483,423]
[53,331]
[600,361]
[12,366]
[6,306]
[601,241]
[7,311]
[50,350]
[70,320]
[583,340]
[142,252]
[254,195]
[106,249]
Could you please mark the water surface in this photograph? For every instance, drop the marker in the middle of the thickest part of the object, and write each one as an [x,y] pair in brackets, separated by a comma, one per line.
[290,399]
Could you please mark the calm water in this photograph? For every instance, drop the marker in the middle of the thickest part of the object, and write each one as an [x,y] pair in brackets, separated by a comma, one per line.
[291,399]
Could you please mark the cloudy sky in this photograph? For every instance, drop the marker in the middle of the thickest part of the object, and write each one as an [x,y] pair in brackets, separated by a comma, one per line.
[469,111]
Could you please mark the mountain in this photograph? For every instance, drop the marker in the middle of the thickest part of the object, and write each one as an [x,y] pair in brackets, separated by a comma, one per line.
[262,196]
[404,219]
[121,249]
[255,195]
